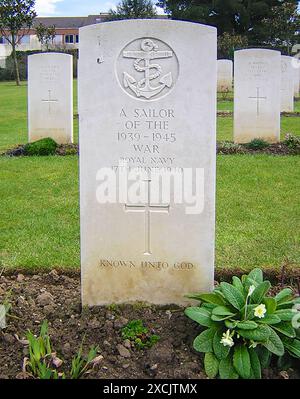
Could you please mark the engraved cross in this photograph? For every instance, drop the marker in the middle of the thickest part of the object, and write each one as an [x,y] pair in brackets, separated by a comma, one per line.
[258,98]
[49,101]
[147,209]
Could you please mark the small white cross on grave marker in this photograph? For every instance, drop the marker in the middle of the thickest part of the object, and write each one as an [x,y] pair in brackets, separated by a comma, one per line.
[147,209]
[258,98]
[50,101]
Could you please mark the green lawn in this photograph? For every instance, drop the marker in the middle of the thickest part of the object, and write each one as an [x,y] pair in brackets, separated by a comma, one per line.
[228,106]
[13,117]
[257,201]
[257,211]
[13,114]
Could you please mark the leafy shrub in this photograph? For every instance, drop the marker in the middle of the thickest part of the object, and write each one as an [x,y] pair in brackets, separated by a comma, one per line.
[42,147]
[139,335]
[244,327]
[292,142]
[257,144]
[227,147]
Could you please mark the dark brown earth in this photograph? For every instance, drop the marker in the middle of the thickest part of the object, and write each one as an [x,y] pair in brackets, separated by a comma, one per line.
[56,297]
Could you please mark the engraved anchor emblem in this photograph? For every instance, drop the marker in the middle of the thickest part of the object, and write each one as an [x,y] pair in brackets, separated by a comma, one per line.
[142,88]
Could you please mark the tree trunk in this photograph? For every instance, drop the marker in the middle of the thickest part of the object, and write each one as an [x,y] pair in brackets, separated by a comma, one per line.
[16,66]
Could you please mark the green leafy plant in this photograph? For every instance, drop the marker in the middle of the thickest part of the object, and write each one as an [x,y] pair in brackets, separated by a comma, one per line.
[244,327]
[41,147]
[292,142]
[227,147]
[139,335]
[257,144]
[82,365]
[41,361]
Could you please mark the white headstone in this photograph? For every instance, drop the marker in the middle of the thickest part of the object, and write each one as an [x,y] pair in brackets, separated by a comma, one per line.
[296,81]
[147,107]
[50,97]
[257,86]
[225,75]
[287,84]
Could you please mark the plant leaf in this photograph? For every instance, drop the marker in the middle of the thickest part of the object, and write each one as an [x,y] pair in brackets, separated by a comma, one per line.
[233,295]
[260,334]
[255,363]
[255,277]
[270,305]
[200,315]
[285,328]
[260,291]
[212,298]
[284,295]
[211,365]
[241,361]
[270,319]
[204,341]
[236,282]
[293,346]
[274,343]
[220,350]
[226,369]
[285,314]
[222,311]
[247,325]
[264,356]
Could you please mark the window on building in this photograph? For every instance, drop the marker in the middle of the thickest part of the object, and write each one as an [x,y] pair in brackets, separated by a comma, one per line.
[58,39]
[77,38]
[3,40]
[69,39]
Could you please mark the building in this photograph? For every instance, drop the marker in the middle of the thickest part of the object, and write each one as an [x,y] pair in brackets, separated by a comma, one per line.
[67,34]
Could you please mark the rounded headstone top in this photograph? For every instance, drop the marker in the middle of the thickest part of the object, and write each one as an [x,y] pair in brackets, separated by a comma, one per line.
[50,54]
[153,22]
[256,51]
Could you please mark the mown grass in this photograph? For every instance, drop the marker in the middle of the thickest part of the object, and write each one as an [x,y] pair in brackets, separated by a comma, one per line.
[13,114]
[13,117]
[257,211]
[39,224]
[257,201]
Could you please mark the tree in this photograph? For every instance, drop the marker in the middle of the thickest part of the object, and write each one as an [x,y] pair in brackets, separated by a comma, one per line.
[16,16]
[45,34]
[283,29]
[240,17]
[228,43]
[131,9]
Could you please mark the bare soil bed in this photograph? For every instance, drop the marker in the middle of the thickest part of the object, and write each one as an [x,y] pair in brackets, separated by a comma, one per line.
[56,297]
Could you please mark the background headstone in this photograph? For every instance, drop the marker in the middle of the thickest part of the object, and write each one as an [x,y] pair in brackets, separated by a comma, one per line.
[296,81]
[257,97]
[225,75]
[146,102]
[287,84]
[50,97]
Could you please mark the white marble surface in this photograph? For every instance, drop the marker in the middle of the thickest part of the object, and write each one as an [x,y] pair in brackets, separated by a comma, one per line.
[257,95]
[147,91]
[287,84]
[50,97]
[225,76]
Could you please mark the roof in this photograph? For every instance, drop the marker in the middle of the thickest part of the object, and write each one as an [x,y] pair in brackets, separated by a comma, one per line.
[69,22]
